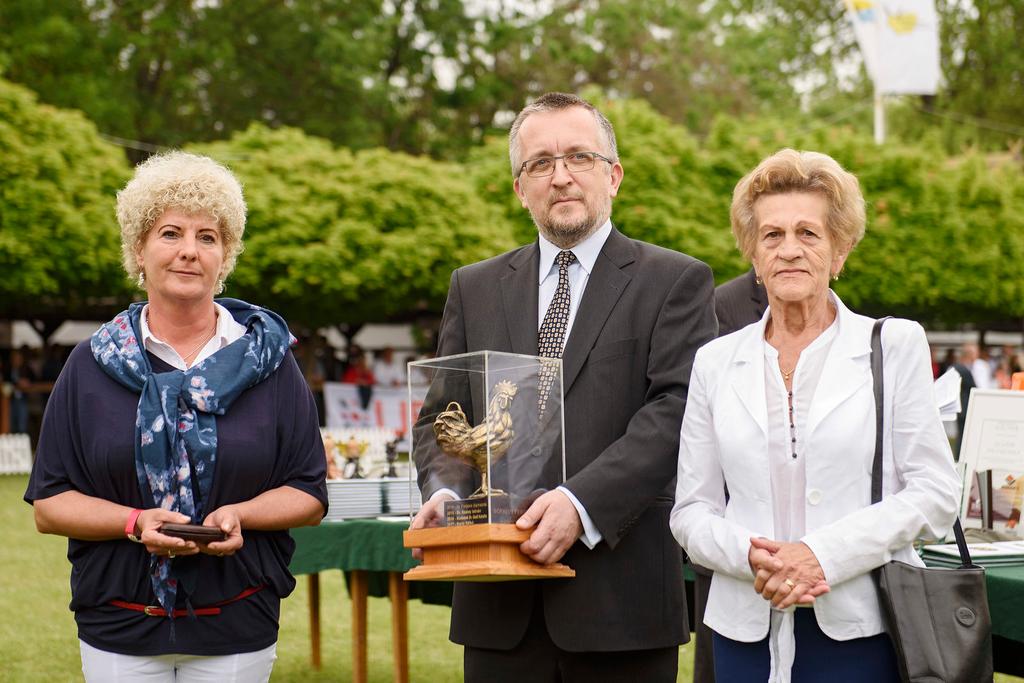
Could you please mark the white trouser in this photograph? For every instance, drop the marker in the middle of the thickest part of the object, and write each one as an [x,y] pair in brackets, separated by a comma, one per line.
[100,666]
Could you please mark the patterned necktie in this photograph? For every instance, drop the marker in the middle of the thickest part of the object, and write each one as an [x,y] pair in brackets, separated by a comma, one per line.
[551,338]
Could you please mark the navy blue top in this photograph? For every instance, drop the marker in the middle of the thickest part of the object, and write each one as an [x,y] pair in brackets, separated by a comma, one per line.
[269,438]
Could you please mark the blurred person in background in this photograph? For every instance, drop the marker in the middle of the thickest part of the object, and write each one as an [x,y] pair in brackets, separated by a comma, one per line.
[315,360]
[1016,358]
[1006,365]
[782,414]
[1001,374]
[358,372]
[982,369]
[20,375]
[182,409]
[387,371]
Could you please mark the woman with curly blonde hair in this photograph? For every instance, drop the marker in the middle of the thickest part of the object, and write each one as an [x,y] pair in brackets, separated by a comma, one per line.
[181,410]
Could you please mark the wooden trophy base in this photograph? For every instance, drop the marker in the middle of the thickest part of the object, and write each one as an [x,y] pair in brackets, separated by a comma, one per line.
[477,552]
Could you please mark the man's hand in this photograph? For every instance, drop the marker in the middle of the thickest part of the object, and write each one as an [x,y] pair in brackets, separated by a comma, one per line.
[430,515]
[226,519]
[786,573]
[558,526]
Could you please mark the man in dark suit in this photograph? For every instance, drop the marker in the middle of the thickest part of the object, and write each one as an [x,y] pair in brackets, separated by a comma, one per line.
[626,318]
[738,302]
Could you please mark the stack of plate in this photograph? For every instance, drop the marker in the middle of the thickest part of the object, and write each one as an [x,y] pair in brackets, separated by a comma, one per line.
[355,498]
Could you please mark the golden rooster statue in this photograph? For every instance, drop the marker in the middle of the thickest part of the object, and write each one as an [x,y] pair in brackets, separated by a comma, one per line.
[459,439]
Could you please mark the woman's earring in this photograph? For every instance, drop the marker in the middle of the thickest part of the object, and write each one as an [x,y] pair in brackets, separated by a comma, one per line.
[835,276]
[220,285]
[142,279]
[757,279]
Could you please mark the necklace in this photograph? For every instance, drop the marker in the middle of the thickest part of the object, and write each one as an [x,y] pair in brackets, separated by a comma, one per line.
[203,343]
[187,356]
[787,375]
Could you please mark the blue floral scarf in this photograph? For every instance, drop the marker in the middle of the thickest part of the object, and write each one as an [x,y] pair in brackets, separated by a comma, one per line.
[176,423]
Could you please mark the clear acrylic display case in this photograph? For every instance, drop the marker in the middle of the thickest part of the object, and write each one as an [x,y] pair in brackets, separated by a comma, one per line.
[487,431]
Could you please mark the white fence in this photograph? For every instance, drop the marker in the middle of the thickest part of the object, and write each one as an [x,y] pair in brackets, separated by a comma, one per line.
[15,454]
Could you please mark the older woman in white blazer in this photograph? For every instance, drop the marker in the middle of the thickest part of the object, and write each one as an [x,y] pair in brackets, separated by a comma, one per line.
[776,448]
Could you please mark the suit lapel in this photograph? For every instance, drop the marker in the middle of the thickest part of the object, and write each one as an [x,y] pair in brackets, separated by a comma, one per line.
[519,298]
[604,287]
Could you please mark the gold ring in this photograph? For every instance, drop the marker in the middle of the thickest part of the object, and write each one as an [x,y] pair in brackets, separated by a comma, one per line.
[170,555]
[789,582]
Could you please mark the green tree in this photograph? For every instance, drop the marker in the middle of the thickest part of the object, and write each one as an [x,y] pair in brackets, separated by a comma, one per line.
[59,244]
[363,74]
[984,71]
[681,57]
[945,235]
[336,236]
[437,77]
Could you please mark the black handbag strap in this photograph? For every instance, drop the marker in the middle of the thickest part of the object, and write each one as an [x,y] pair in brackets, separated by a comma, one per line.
[876,467]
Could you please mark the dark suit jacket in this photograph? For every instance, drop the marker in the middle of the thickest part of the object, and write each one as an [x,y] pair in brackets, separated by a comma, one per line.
[626,368]
[739,302]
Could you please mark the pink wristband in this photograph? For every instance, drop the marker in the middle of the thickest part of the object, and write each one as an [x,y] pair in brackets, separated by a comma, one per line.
[129,526]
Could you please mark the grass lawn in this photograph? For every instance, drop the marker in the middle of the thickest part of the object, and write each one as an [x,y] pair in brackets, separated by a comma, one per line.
[38,637]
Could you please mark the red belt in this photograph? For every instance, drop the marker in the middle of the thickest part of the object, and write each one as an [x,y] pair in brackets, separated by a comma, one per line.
[157,611]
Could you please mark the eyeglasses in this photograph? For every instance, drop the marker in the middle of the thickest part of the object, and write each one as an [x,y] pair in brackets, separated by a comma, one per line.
[576,161]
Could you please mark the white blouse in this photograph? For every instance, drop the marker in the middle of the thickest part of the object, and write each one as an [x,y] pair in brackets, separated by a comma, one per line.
[787,466]
[787,454]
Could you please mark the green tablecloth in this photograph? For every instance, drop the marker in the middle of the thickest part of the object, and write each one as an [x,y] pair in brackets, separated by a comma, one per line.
[376,547]
[1006,601]
[371,545]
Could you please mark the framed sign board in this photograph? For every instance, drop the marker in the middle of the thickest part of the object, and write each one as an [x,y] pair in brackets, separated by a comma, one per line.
[992,454]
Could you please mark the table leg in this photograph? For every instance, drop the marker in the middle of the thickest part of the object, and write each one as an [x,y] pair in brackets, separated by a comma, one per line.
[358,588]
[314,617]
[398,591]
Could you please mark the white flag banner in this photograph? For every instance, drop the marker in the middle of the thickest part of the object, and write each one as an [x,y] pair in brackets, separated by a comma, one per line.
[862,14]
[900,43]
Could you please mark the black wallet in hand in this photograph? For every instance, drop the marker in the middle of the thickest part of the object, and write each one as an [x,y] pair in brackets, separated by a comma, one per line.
[193,532]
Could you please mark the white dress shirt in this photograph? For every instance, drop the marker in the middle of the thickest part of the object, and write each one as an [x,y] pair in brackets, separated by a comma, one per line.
[228,331]
[586,253]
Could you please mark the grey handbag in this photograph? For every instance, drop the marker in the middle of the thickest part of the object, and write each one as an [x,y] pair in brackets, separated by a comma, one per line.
[938,619]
